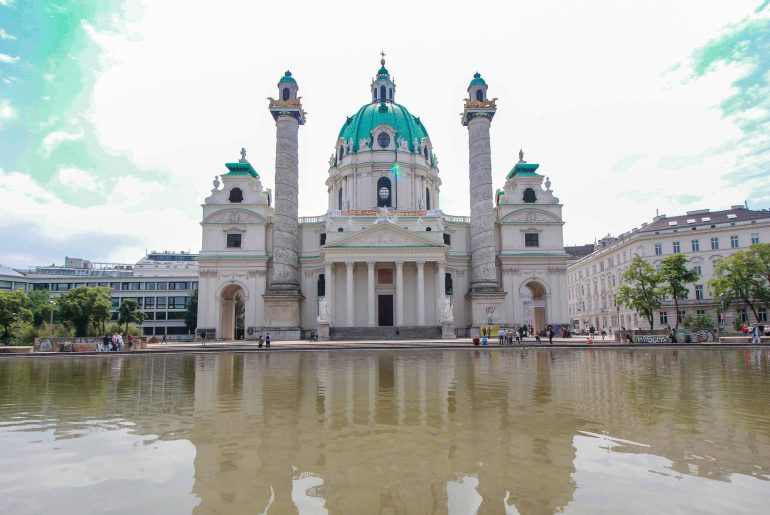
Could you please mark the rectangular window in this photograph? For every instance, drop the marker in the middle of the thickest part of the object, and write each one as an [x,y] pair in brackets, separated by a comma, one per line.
[658,249]
[733,242]
[149,303]
[447,239]
[762,312]
[6,285]
[695,245]
[322,240]
[680,317]
[754,238]
[115,302]
[194,285]
[676,247]
[163,285]
[160,302]
[177,302]
[149,286]
[139,302]
[698,269]
[176,315]
[134,286]
[147,331]
[42,286]
[177,286]
[161,315]
[531,240]
[715,243]
[149,315]
[742,315]
[663,317]
[233,241]
[699,291]
[124,286]
[700,312]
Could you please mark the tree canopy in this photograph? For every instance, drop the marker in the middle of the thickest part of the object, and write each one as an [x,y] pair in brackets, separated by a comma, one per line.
[640,290]
[128,313]
[14,308]
[744,278]
[191,315]
[674,277]
[84,305]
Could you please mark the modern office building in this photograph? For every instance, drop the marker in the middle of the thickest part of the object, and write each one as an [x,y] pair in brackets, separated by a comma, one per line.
[703,236]
[160,283]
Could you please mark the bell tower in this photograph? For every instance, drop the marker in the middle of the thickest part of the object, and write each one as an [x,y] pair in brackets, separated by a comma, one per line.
[383,87]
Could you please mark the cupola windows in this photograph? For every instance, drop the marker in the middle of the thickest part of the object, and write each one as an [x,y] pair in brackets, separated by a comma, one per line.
[383,139]
[383,192]
[427,199]
[285,94]
[479,95]
[339,199]
[383,90]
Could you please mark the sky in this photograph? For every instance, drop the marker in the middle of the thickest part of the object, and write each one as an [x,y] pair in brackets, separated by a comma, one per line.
[116,115]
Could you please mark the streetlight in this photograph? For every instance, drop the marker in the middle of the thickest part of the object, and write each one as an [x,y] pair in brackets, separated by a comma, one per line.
[50,326]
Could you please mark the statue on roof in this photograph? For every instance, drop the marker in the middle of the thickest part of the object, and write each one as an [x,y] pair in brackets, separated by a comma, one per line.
[243,155]
[521,155]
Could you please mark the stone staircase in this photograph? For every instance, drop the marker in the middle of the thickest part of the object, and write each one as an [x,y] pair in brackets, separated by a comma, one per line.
[426,332]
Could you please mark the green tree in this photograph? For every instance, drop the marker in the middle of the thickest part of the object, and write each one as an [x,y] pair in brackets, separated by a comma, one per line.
[640,290]
[83,306]
[191,315]
[674,277]
[700,322]
[743,278]
[14,309]
[128,312]
[40,305]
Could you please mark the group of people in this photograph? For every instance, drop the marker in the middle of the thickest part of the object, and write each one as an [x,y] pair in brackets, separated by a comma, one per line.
[756,331]
[264,340]
[115,342]
[517,334]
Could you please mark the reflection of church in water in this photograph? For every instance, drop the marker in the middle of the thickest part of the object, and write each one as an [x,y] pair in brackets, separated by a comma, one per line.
[383,255]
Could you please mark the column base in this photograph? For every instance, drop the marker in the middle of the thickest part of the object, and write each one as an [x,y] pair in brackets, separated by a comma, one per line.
[283,315]
[487,308]
[323,329]
[448,330]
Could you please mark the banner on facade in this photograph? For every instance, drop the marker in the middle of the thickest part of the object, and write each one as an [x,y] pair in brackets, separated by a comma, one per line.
[372,212]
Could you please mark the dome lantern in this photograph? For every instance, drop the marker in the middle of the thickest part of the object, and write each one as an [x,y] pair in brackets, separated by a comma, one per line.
[383,88]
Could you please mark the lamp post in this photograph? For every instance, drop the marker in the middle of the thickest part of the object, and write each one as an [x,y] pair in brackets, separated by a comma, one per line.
[50,325]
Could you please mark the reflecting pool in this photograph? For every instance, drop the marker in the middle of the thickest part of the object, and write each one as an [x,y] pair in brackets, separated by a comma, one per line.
[406,431]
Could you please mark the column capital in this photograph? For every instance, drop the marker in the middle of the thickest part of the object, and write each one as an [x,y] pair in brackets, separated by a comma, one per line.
[420,262]
[350,264]
[370,264]
[399,262]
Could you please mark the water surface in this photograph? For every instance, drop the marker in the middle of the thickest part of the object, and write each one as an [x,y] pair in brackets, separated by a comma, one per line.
[406,431]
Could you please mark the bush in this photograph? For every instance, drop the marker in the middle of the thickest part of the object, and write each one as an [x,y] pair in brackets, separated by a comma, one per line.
[29,332]
[699,323]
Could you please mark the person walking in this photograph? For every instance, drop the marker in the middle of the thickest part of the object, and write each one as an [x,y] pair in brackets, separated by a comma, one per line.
[261,340]
[755,334]
[398,334]
[267,341]
[163,341]
[106,343]
[550,335]
[501,335]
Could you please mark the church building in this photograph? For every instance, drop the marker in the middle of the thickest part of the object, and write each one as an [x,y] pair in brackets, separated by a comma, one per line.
[383,257]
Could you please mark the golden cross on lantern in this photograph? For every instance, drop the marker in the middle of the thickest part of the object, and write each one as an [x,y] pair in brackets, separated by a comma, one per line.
[382,54]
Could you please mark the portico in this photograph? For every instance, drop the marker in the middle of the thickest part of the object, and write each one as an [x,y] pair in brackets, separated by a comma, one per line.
[384,275]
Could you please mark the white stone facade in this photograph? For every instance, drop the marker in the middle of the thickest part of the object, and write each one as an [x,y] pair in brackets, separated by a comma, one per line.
[383,255]
[702,236]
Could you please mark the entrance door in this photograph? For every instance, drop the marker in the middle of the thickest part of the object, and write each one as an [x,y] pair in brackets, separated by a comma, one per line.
[384,309]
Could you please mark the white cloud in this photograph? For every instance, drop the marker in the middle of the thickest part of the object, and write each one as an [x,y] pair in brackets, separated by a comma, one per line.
[7,112]
[56,138]
[7,59]
[125,211]
[5,36]
[7,3]
[77,180]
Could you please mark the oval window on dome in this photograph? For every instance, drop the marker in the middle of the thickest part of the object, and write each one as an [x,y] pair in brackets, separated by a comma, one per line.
[383,140]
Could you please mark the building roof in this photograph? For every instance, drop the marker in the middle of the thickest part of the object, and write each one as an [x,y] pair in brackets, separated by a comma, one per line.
[242,167]
[579,251]
[9,272]
[704,217]
[522,169]
[287,78]
[477,79]
[396,116]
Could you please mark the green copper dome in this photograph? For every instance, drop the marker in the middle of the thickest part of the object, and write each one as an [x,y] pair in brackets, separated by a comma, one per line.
[391,114]
[477,79]
[287,77]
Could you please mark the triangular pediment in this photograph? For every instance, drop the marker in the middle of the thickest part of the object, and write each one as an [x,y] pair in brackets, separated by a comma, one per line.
[384,235]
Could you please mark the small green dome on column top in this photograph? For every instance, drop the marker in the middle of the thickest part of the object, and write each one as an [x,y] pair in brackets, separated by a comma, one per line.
[395,116]
[287,77]
[477,79]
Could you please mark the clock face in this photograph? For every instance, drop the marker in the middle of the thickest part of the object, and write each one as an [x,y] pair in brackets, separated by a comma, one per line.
[383,139]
